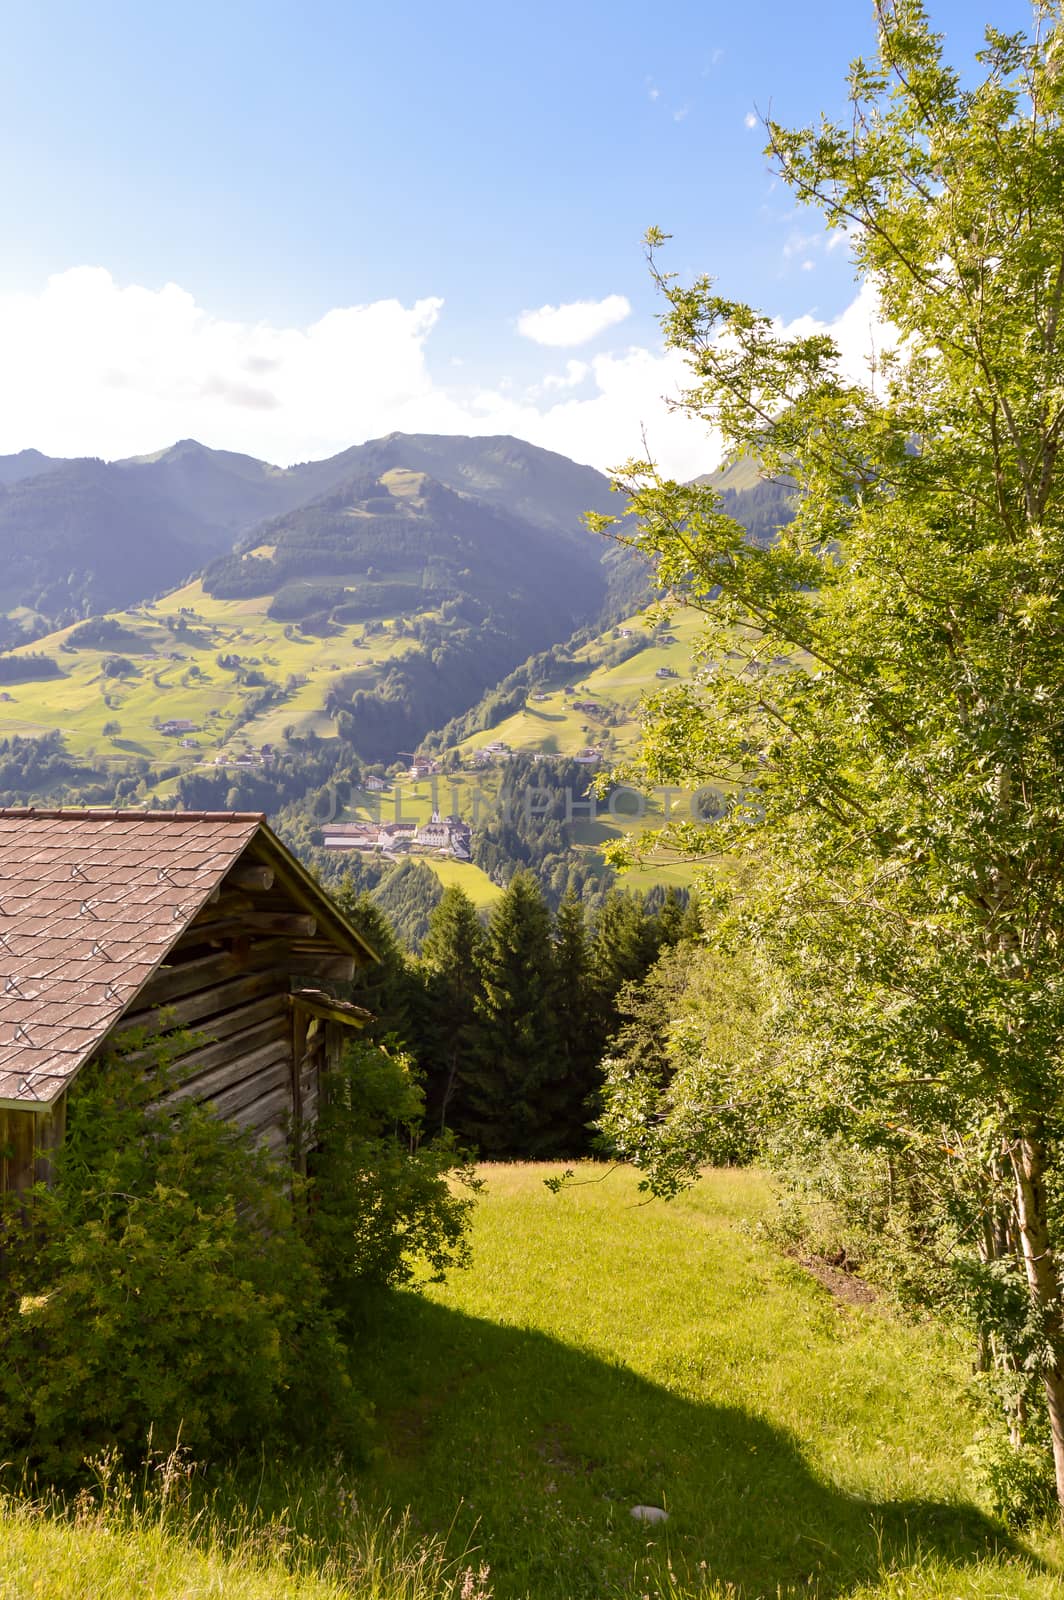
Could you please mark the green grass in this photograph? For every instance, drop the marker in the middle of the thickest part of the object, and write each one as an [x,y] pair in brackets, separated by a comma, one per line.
[600,1353]
[476,883]
[603,1354]
[160,1549]
[164,689]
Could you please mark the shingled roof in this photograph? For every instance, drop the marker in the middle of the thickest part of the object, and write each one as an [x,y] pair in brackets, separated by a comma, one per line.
[91,903]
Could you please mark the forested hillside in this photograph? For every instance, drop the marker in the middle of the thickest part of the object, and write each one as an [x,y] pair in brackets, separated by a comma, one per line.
[86,535]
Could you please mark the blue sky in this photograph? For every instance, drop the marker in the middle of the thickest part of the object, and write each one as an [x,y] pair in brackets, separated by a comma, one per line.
[280,163]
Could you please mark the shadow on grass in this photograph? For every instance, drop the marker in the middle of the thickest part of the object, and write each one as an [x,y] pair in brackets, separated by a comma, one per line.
[535,1452]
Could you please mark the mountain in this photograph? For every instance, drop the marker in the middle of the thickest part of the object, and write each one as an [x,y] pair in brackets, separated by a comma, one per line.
[539,485]
[230,492]
[84,535]
[401,536]
[763,505]
[81,537]
[26,464]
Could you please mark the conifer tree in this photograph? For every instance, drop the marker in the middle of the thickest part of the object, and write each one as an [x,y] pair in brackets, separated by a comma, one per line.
[388,986]
[450,1044]
[626,944]
[517,1097]
[579,1036]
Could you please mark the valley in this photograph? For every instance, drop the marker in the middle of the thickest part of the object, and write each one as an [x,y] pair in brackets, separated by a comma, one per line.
[399,630]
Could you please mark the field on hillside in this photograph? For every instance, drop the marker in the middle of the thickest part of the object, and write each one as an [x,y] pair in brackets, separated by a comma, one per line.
[176,676]
[184,654]
[600,1354]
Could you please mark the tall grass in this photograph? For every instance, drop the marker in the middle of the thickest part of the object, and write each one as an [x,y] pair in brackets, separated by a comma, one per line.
[163,1538]
[600,1353]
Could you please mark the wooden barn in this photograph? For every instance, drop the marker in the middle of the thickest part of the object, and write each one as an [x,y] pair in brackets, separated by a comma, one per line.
[115,921]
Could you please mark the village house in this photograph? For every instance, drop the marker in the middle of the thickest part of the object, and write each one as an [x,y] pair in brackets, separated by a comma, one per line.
[131,924]
[488,754]
[351,835]
[373,785]
[450,835]
[176,725]
[590,756]
[396,835]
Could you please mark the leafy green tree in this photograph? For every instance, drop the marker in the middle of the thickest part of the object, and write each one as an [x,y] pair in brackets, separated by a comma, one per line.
[895,737]
[450,1035]
[674,1091]
[518,1093]
[399,1214]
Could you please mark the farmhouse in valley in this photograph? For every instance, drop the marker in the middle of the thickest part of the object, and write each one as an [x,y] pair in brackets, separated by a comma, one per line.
[112,923]
[449,835]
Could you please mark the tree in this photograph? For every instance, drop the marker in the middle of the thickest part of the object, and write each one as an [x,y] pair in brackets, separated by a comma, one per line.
[579,1041]
[519,1089]
[895,741]
[626,944]
[386,987]
[450,1034]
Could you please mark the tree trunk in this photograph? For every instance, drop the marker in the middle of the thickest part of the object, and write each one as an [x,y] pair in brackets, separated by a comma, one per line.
[1043,1280]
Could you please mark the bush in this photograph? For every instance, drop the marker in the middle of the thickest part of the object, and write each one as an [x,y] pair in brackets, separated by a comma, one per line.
[117,667]
[167,1288]
[381,1207]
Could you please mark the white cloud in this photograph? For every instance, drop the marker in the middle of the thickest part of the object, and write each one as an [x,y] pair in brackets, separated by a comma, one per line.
[799,244]
[574,374]
[573,323]
[682,114]
[91,368]
[750,120]
[860,332]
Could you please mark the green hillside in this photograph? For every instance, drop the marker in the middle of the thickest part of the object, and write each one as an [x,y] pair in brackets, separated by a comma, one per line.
[393,600]
[83,536]
[172,647]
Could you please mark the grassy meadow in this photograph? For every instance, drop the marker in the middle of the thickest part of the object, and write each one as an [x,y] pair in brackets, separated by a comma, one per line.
[600,1353]
[193,686]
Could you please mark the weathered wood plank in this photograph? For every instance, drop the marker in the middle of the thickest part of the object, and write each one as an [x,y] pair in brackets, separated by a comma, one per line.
[310,964]
[231,1049]
[251,877]
[260,1099]
[232,1071]
[244,923]
[207,1002]
[18,1138]
[173,982]
[51,1131]
[220,910]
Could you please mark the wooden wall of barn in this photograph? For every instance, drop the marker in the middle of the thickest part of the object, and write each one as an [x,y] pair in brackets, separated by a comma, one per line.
[228,982]
[27,1139]
[228,979]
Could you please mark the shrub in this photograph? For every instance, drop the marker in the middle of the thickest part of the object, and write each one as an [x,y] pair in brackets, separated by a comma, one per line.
[381,1207]
[161,1288]
[117,667]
